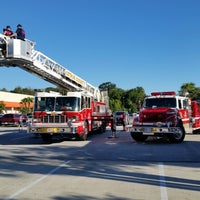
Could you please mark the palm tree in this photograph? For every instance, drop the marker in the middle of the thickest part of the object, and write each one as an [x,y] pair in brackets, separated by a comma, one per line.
[26,105]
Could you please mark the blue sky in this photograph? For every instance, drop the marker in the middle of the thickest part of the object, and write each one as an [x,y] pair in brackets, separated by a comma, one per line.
[154,44]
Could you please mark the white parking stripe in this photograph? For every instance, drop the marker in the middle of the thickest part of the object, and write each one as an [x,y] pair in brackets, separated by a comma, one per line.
[163,189]
[36,181]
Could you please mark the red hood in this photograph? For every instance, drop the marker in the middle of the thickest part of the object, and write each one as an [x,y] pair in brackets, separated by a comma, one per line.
[156,114]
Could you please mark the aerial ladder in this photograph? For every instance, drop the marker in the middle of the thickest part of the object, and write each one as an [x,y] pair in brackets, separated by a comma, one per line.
[15,52]
[89,109]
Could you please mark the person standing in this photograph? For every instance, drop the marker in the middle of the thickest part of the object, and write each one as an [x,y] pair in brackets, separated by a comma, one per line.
[20,122]
[19,33]
[113,126]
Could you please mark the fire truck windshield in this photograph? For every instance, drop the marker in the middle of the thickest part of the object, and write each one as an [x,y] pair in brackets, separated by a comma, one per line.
[160,103]
[57,104]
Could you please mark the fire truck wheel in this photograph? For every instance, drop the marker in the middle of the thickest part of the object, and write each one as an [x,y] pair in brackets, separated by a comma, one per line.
[177,137]
[138,137]
[102,128]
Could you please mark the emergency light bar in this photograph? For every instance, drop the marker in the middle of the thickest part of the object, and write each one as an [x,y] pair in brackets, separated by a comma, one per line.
[163,93]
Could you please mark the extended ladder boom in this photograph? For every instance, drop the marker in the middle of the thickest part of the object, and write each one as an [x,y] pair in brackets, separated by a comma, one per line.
[15,52]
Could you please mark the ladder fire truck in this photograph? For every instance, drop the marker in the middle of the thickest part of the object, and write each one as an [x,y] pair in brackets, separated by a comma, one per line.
[84,109]
[165,114]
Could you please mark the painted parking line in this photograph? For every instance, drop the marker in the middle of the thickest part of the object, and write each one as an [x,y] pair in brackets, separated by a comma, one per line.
[163,189]
[36,181]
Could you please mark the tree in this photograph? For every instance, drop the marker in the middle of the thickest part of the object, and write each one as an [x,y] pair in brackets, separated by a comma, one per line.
[17,90]
[123,99]
[2,106]
[114,94]
[4,90]
[26,105]
[107,86]
[190,90]
[134,98]
[115,104]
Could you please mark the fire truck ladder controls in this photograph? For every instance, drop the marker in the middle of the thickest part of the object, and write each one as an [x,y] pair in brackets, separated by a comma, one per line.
[15,52]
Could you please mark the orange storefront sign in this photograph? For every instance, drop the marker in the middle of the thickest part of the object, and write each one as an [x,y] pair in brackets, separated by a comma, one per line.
[14,104]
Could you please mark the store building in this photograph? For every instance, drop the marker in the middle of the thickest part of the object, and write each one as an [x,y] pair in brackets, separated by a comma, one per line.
[12,101]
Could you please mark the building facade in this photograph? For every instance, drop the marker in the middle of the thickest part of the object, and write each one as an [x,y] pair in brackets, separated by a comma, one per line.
[12,101]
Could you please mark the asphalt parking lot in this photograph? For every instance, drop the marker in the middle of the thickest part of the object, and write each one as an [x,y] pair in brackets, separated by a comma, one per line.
[99,168]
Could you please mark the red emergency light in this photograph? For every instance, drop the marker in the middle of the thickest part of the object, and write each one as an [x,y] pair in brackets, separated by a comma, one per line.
[163,93]
[40,114]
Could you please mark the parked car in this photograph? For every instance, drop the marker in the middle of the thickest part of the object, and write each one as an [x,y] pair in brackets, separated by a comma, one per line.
[13,119]
[1,115]
[121,118]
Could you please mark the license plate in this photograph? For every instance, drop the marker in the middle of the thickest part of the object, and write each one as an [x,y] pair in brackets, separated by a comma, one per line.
[141,129]
[42,130]
[48,130]
[154,129]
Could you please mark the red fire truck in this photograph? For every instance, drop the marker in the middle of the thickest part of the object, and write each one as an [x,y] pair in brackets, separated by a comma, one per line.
[165,114]
[73,115]
[84,109]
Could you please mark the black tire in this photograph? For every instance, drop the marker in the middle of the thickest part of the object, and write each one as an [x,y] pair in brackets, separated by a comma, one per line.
[177,137]
[103,127]
[138,137]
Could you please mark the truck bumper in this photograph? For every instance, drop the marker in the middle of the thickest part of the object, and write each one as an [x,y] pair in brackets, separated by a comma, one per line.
[53,130]
[155,131]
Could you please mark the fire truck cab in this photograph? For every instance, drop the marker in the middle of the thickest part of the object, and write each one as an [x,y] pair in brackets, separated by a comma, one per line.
[165,114]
